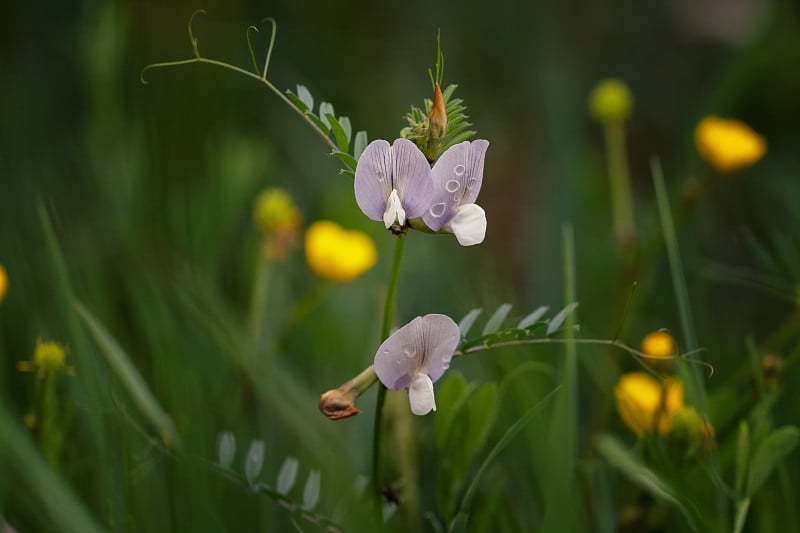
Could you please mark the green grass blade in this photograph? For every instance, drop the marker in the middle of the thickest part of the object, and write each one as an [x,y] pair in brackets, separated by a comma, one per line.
[56,500]
[504,441]
[129,376]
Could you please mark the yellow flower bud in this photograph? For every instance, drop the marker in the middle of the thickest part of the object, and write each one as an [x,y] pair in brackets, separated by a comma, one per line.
[728,145]
[646,404]
[660,347]
[610,101]
[278,219]
[338,255]
[3,283]
[48,359]
[49,356]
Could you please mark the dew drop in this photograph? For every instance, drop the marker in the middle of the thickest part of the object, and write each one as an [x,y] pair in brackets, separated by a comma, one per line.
[459,170]
[379,175]
[410,352]
[452,185]
[472,183]
[437,210]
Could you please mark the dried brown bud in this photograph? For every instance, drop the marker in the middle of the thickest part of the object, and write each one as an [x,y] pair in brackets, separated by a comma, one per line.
[438,117]
[338,403]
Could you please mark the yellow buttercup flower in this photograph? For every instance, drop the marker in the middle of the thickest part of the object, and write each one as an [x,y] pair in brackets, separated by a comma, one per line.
[3,283]
[336,254]
[660,347]
[610,101]
[646,404]
[728,144]
[48,359]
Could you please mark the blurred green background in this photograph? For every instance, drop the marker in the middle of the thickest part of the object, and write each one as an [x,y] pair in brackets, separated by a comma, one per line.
[149,192]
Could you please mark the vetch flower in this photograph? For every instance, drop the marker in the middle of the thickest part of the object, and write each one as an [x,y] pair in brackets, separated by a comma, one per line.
[457,178]
[727,144]
[338,255]
[415,356]
[393,183]
[646,404]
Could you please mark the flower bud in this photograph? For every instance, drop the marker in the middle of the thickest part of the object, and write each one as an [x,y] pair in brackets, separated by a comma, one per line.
[278,219]
[610,101]
[438,117]
[659,347]
[771,369]
[338,403]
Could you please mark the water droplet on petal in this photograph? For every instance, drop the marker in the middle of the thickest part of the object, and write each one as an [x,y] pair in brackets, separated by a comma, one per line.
[472,182]
[410,352]
[452,185]
[379,175]
[437,210]
[459,170]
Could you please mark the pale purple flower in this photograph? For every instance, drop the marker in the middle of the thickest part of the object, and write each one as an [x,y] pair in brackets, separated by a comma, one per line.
[415,356]
[393,183]
[457,178]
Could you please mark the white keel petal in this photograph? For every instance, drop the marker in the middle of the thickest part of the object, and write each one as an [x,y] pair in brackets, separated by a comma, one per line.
[468,224]
[420,395]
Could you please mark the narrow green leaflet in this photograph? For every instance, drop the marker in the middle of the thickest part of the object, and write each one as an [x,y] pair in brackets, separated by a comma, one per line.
[347,159]
[325,109]
[497,319]
[338,132]
[305,96]
[296,100]
[344,122]
[469,319]
[558,320]
[533,317]
[287,475]
[769,455]
[359,144]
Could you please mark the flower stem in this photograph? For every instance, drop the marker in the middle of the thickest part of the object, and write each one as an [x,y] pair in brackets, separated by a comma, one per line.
[621,197]
[386,328]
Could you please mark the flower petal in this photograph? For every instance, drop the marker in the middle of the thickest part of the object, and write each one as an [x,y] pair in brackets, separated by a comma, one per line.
[457,179]
[373,179]
[420,395]
[394,211]
[468,224]
[412,178]
[425,345]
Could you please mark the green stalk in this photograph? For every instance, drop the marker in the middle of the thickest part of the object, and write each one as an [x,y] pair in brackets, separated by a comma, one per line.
[563,438]
[258,302]
[386,328]
[621,197]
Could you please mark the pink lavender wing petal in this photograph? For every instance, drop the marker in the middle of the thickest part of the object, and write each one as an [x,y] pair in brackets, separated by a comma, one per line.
[373,180]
